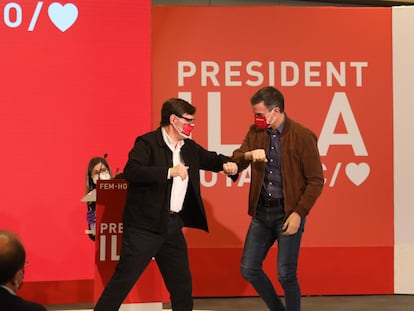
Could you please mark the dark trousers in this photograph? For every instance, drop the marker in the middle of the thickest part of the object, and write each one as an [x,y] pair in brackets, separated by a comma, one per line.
[138,248]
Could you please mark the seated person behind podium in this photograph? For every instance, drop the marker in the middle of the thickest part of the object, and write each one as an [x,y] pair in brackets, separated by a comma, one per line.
[163,174]
[12,262]
[98,169]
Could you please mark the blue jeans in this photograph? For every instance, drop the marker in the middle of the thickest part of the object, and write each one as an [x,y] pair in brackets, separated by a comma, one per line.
[264,230]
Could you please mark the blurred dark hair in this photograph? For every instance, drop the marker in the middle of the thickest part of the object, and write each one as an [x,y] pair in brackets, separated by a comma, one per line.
[12,256]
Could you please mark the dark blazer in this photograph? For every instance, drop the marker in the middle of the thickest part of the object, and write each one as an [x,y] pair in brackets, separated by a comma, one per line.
[149,190]
[10,302]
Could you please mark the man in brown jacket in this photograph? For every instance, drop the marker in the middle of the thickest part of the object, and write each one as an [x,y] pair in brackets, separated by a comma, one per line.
[286,180]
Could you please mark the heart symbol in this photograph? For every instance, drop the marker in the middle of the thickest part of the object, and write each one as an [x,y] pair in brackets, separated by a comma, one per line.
[63,16]
[357,173]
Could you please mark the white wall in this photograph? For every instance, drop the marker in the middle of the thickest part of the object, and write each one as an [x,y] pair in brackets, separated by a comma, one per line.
[403,64]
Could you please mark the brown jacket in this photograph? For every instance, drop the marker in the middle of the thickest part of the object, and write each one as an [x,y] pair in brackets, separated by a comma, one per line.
[302,175]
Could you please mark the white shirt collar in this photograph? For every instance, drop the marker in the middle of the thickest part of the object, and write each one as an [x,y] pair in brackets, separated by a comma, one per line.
[169,142]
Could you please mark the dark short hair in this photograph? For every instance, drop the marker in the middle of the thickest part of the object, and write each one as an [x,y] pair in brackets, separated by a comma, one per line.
[175,106]
[271,97]
[12,256]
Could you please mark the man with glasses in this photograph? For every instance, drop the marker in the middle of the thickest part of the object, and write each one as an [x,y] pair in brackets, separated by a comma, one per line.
[12,263]
[163,197]
[286,180]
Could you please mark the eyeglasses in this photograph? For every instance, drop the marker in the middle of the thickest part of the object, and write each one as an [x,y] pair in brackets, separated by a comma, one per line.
[103,169]
[189,120]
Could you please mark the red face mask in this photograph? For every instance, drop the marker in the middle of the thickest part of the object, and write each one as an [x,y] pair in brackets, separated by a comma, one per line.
[187,129]
[261,122]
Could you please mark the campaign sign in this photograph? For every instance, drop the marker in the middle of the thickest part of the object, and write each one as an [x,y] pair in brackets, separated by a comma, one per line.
[334,67]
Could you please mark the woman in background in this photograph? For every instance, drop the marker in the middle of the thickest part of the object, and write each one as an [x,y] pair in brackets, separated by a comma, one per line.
[98,169]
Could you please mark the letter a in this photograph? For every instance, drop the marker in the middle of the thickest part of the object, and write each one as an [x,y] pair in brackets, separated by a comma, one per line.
[340,107]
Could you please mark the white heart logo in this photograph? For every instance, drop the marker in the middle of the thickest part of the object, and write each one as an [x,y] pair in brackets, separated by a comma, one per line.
[357,173]
[63,16]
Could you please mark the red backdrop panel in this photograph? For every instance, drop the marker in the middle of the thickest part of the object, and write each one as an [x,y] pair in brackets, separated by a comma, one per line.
[335,70]
[78,85]
[75,83]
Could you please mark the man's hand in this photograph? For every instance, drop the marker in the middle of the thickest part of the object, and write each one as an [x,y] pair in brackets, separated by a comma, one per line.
[291,224]
[257,155]
[179,170]
[230,168]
